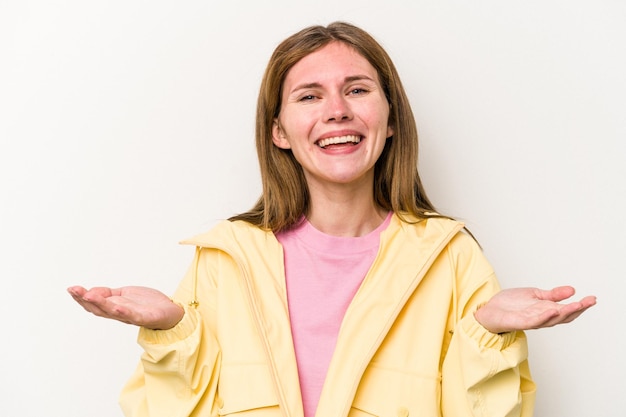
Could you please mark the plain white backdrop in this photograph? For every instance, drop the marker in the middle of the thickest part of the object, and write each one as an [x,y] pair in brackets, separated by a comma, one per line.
[126,126]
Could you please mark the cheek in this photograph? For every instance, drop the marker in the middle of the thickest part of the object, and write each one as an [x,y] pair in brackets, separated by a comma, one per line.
[298,126]
[374,113]
[379,120]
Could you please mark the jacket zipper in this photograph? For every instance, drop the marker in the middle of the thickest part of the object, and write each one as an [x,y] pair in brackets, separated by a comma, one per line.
[257,315]
[268,351]
[401,304]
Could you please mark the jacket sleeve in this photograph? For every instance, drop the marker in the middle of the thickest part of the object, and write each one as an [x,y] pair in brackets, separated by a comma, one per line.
[483,374]
[178,371]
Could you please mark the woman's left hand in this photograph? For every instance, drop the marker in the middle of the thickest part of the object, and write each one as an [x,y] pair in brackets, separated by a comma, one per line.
[530,308]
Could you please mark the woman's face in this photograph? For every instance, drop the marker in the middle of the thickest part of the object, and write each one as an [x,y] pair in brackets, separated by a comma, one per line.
[334,116]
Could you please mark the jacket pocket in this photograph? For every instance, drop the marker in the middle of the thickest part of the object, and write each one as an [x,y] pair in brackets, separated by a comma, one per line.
[246,390]
[385,392]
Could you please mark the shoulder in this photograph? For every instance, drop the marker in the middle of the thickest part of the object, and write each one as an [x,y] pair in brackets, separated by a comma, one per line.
[429,228]
[230,233]
[448,235]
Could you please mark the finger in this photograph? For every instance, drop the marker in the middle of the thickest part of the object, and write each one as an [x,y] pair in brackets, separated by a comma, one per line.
[88,299]
[544,319]
[107,309]
[99,292]
[556,294]
[568,314]
[571,317]
[96,300]
[114,311]
[76,289]
[578,306]
[570,308]
[90,307]
[574,315]
[95,310]
[77,294]
[589,301]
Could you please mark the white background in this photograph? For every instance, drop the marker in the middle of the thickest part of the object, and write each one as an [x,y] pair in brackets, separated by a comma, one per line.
[126,126]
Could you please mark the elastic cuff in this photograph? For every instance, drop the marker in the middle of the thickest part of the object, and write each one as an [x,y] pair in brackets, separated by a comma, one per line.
[484,337]
[181,331]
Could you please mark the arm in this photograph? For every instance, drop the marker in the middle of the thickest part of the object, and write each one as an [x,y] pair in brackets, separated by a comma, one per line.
[487,374]
[483,374]
[486,371]
[178,372]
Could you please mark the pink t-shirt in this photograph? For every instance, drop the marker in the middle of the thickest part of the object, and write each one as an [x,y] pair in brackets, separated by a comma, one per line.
[323,274]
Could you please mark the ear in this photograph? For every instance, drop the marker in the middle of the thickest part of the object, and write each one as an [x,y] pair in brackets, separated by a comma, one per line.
[389,131]
[389,127]
[278,137]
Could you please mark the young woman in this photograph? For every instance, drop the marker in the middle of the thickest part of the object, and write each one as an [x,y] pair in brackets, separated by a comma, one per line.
[342,292]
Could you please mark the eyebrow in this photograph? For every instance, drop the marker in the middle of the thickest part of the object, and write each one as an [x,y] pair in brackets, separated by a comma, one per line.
[348,79]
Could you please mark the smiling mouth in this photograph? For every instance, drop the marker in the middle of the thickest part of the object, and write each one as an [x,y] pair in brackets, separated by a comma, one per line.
[339,140]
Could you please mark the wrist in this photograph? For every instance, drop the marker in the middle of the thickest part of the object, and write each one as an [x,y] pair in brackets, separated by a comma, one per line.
[173,314]
[482,316]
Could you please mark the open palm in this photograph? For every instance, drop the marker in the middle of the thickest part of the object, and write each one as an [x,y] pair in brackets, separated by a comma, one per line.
[141,306]
[530,308]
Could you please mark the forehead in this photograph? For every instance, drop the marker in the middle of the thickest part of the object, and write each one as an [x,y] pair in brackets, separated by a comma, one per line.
[335,60]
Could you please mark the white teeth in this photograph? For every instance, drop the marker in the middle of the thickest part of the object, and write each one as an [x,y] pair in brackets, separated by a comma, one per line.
[339,139]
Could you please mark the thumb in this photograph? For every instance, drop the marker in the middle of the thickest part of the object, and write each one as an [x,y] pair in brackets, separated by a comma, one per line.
[557,294]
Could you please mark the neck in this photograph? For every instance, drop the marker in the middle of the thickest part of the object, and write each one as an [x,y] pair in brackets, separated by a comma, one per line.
[344,213]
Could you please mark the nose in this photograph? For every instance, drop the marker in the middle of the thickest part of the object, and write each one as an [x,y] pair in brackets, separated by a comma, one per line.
[338,109]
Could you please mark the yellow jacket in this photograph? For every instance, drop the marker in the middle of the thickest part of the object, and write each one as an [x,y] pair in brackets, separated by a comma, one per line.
[408,345]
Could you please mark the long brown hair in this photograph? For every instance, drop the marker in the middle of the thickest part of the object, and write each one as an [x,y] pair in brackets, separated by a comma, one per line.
[285,197]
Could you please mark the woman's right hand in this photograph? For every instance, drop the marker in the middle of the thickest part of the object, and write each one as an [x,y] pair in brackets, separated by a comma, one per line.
[141,306]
